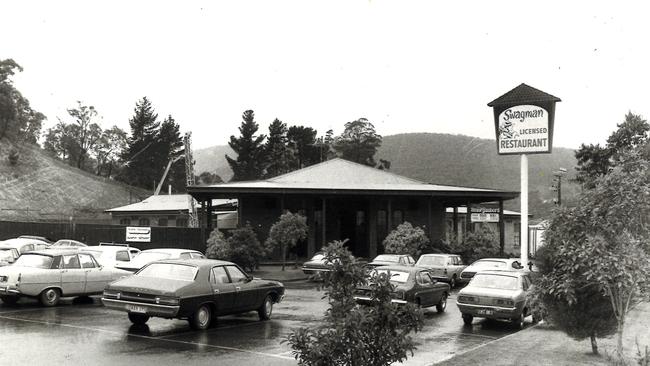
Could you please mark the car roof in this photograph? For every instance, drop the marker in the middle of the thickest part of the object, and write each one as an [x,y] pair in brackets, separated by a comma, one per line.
[199,262]
[438,255]
[170,250]
[15,242]
[105,248]
[503,273]
[54,252]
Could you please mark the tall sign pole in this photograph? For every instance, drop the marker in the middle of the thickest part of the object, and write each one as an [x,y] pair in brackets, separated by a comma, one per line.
[523,122]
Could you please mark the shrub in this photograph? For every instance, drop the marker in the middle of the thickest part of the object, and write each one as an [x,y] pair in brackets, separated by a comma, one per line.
[374,335]
[286,233]
[477,244]
[406,239]
[242,247]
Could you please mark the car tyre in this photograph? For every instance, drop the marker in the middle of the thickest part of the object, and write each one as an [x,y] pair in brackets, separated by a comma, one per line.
[202,318]
[467,319]
[518,323]
[266,309]
[138,319]
[442,304]
[9,300]
[50,297]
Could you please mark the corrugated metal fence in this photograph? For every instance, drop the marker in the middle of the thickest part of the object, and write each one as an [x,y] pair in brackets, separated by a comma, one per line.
[93,234]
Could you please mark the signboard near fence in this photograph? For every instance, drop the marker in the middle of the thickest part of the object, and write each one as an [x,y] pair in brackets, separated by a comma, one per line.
[138,234]
[485,214]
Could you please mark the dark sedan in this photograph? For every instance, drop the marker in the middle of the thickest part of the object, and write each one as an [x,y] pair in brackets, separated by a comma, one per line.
[412,284]
[198,290]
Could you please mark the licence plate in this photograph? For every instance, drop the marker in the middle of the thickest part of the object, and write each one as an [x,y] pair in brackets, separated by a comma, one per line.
[136,308]
[485,311]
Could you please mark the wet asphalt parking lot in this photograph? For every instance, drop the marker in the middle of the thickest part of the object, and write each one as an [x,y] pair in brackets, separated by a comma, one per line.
[83,332]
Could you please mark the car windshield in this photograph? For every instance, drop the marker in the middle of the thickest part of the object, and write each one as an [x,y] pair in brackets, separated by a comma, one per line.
[34,260]
[495,281]
[431,261]
[170,271]
[148,257]
[489,264]
[94,253]
[387,258]
[318,257]
[395,276]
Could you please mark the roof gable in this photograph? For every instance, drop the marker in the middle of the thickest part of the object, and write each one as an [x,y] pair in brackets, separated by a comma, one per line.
[341,172]
[523,94]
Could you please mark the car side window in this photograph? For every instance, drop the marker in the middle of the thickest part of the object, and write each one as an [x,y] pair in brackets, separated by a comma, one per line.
[197,255]
[525,283]
[86,261]
[236,275]
[27,248]
[459,261]
[401,260]
[218,275]
[71,261]
[123,256]
[423,278]
[56,262]
[184,256]
[411,260]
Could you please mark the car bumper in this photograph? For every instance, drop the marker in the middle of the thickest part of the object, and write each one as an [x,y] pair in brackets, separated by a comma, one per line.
[490,312]
[165,311]
[9,290]
[364,300]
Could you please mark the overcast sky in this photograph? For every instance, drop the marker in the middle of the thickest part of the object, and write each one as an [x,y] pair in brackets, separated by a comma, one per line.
[407,66]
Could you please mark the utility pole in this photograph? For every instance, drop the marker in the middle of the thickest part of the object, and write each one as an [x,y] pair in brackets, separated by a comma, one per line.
[557,185]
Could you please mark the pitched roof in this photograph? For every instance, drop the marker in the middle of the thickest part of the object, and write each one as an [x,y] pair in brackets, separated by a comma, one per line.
[523,94]
[339,176]
[163,202]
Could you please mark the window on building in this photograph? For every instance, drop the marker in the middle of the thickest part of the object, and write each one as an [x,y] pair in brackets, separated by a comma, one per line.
[361,218]
[181,222]
[398,218]
[125,221]
[162,221]
[517,233]
[143,221]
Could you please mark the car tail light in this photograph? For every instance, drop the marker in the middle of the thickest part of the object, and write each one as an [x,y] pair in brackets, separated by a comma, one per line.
[167,300]
[466,299]
[505,302]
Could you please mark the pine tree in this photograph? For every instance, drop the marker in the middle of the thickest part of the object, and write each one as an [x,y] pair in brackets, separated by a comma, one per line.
[170,147]
[141,167]
[250,161]
[277,152]
[303,141]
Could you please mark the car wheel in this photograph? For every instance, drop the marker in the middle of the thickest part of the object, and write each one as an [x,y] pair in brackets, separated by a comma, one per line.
[49,297]
[467,319]
[201,318]
[452,282]
[266,309]
[9,300]
[518,323]
[442,304]
[138,319]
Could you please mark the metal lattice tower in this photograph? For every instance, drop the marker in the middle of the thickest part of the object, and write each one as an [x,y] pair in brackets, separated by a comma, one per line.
[189,178]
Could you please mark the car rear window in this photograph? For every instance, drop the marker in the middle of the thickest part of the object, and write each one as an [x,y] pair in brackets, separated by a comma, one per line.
[34,260]
[318,257]
[494,281]
[431,261]
[387,258]
[395,276]
[170,271]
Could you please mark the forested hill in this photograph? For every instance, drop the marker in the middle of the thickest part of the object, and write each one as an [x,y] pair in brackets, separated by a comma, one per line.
[452,160]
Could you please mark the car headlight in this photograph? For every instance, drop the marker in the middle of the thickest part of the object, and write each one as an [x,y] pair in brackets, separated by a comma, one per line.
[112,294]
[466,299]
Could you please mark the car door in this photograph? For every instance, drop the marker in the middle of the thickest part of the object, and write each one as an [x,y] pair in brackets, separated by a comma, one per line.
[96,277]
[122,257]
[248,297]
[73,277]
[223,290]
[425,288]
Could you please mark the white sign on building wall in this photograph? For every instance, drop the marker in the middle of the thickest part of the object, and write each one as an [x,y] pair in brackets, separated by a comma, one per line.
[523,129]
[138,234]
[485,214]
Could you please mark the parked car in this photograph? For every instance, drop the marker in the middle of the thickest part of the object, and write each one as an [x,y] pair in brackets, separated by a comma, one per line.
[41,238]
[65,243]
[412,284]
[150,255]
[496,294]
[49,275]
[502,264]
[318,264]
[198,290]
[392,259]
[111,255]
[8,255]
[443,267]
[24,245]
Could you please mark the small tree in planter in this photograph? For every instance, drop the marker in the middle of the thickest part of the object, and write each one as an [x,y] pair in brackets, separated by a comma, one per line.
[242,247]
[286,233]
[374,335]
[406,239]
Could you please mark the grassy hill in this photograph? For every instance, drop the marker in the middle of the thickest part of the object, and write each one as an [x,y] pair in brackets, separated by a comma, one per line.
[41,188]
[453,160]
